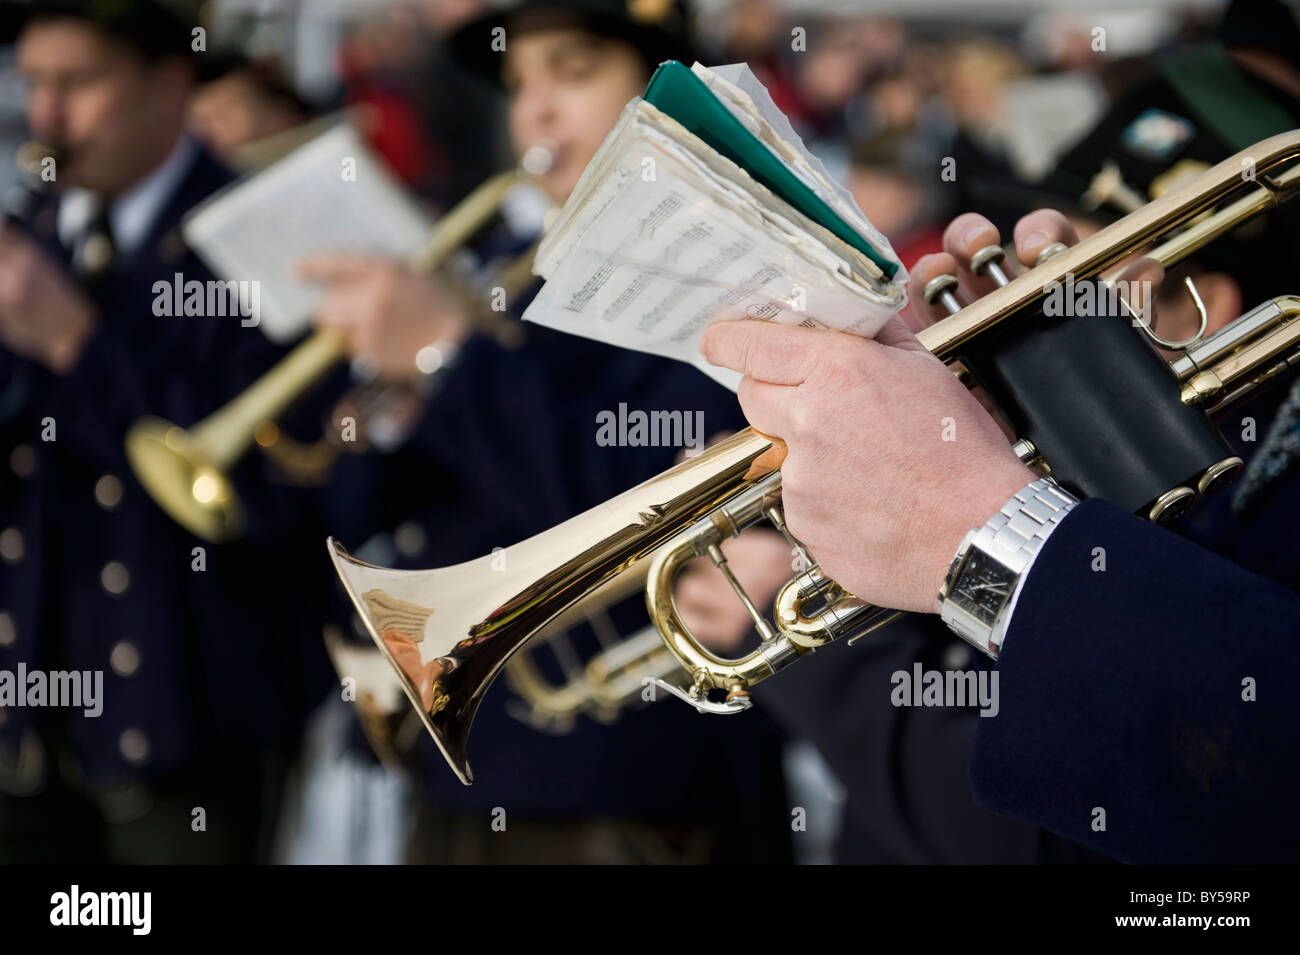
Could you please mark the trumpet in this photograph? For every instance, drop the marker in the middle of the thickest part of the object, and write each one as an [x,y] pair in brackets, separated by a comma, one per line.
[31,185]
[448,632]
[186,471]
[600,688]
[604,685]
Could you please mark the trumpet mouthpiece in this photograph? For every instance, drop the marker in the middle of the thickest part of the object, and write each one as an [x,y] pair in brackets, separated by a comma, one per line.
[537,161]
[32,155]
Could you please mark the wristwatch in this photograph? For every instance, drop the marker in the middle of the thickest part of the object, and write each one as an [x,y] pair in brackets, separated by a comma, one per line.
[984,579]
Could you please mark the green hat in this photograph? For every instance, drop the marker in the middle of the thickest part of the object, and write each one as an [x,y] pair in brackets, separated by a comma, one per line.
[658,29]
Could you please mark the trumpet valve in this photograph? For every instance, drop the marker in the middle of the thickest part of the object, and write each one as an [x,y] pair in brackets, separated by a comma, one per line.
[1050,252]
[940,290]
[988,262]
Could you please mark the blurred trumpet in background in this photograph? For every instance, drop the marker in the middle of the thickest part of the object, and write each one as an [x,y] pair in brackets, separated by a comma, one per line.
[186,470]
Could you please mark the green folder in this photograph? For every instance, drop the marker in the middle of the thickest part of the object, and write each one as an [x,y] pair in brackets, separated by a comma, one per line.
[681,94]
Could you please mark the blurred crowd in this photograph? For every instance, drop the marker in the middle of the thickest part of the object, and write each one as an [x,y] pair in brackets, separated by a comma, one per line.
[883,99]
[888,102]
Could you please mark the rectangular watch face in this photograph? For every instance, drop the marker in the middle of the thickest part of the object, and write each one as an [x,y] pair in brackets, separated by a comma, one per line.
[983,586]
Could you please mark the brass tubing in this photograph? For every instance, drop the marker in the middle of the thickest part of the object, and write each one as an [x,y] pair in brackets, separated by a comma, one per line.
[185,471]
[1118,241]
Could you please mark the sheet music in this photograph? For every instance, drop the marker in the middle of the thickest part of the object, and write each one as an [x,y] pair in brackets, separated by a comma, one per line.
[648,261]
[750,102]
[330,195]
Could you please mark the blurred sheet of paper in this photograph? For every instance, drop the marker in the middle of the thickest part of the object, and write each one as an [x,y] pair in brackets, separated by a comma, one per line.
[1046,115]
[330,195]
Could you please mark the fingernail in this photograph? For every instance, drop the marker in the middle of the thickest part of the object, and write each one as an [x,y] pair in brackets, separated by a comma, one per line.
[975,234]
[1034,240]
[922,263]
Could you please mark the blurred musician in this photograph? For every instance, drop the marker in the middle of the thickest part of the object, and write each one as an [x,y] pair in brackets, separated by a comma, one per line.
[508,447]
[245,111]
[197,656]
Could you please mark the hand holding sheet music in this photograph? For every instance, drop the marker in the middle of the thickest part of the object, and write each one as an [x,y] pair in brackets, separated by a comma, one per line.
[329,195]
[665,234]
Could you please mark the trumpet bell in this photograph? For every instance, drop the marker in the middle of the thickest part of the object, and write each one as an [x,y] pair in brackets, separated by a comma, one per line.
[446,633]
[185,483]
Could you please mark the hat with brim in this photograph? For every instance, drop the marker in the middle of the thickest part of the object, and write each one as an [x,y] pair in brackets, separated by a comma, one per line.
[658,29]
[1266,25]
[153,27]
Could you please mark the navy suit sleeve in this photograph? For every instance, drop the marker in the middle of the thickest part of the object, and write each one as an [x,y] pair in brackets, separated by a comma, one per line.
[1159,690]
[903,768]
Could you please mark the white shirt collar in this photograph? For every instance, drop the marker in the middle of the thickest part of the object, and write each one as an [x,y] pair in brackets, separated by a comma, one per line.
[135,211]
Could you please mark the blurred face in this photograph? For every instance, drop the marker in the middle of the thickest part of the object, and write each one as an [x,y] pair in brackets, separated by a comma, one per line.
[223,113]
[232,111]
[891,201]
[115,116]
[567,88]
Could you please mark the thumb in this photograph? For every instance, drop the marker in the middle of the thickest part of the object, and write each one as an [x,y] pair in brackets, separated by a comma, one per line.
[896,334]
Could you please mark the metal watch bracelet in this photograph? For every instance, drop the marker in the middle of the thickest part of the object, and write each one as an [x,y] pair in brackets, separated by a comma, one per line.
[1008,542]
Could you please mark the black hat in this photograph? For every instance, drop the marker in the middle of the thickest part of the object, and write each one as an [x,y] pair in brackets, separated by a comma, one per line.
[658,29]
[1268,25]
[154,27]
